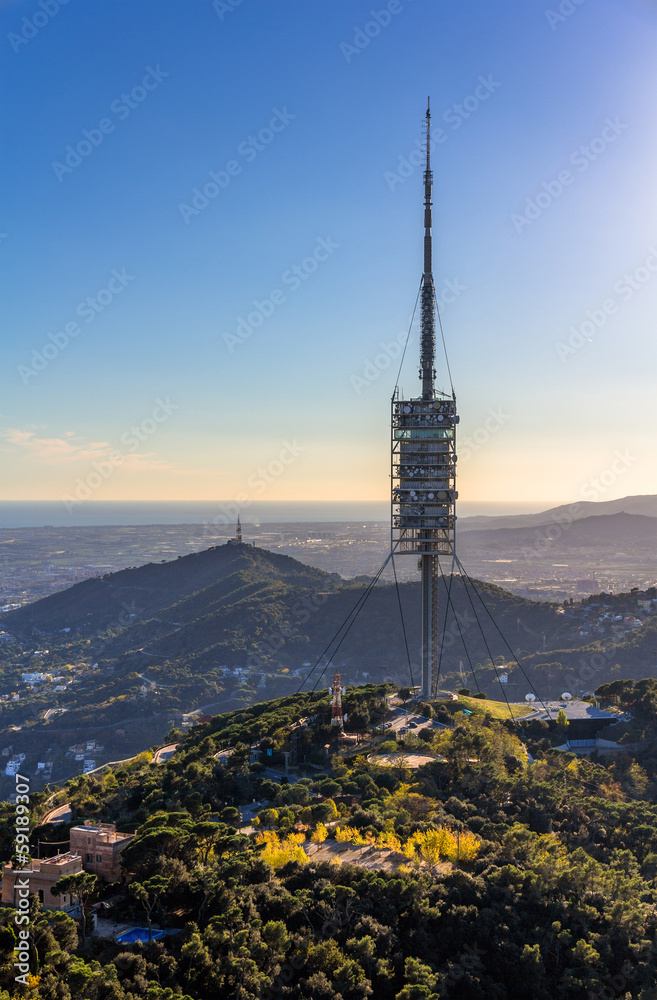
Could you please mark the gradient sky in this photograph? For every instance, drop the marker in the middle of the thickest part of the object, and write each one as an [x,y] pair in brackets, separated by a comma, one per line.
[548,412]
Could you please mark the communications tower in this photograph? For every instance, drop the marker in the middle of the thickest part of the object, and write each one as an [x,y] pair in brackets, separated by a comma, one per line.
[423,452]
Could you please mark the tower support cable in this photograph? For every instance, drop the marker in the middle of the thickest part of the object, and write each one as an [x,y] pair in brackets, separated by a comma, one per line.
[448,600]
[346,623]
[403,625]
[504,640]
[485,641]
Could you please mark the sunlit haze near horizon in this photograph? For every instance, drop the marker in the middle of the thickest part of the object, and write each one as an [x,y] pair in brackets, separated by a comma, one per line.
[212,242]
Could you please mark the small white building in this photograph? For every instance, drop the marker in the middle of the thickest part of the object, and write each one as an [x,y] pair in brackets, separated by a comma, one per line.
[35,678]
[14,764]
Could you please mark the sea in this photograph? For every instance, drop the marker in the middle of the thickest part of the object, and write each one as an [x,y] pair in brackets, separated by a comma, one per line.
[40,514]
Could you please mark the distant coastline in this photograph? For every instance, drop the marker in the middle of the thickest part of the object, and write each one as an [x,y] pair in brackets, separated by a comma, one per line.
[39,514]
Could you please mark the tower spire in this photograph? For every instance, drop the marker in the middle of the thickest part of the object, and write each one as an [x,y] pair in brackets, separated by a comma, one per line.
[428,335]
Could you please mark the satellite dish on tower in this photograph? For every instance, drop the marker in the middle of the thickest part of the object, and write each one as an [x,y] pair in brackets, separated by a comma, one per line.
[530,697]
[566,696]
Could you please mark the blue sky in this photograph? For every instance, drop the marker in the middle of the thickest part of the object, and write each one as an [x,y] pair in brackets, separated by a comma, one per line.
[306,112]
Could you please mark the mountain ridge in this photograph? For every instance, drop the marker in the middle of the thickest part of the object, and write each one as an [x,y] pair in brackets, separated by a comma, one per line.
[584,529]
[645,504]
[151,587]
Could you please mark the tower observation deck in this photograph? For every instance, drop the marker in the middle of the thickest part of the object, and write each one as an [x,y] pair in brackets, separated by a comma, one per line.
[423,450]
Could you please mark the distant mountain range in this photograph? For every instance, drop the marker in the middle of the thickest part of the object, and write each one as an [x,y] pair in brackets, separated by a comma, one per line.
[620,529]
[565,514]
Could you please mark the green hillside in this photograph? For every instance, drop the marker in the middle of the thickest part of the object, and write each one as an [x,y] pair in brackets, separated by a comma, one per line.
[230,603]
[135,650]
[151,589]
[476,875]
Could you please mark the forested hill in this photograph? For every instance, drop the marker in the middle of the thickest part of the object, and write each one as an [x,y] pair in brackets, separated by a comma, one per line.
[481,874]
[145,591]
[236,606]
[235,624]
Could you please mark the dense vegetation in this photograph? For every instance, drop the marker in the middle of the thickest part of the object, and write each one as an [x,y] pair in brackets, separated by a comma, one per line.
[186,623]
[478,875]
[137,649]
[241,606]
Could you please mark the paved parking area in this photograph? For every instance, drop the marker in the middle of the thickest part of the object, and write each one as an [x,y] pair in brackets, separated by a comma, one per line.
[410,720]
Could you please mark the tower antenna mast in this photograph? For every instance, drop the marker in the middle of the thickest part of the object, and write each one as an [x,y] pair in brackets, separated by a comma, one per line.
[428,341]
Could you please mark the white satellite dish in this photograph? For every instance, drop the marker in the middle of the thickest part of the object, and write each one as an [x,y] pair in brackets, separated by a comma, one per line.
[566,696]
[530,697]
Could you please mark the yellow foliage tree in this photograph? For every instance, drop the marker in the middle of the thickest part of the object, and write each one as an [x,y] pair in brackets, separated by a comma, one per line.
[469,846]
[267,837]
[388,841]
[278,852]
[319,834]
[348,834]
[408,849]
[333,814]
[436,845]
[401,790]
[142,758]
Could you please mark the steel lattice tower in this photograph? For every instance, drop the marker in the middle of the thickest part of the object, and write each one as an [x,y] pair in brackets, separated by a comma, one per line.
[424,461]
[336,690]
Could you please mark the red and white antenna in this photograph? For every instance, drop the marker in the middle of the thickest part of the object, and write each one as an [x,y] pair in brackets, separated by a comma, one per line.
[336,690]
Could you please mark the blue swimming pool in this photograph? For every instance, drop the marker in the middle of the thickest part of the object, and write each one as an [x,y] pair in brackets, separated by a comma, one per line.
[138,934]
